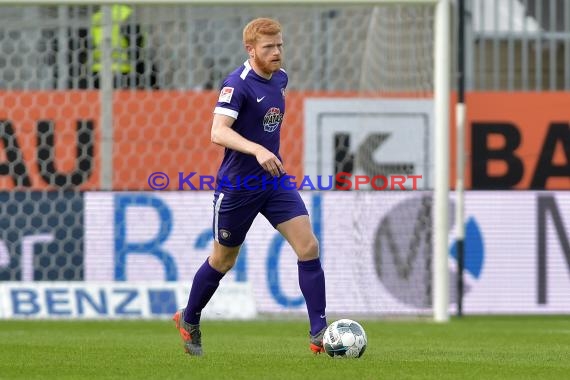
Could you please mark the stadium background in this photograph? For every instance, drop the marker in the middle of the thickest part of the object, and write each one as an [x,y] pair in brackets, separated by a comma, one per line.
[76,204]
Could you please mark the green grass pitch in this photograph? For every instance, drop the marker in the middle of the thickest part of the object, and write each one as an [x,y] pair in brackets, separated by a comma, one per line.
[468,348]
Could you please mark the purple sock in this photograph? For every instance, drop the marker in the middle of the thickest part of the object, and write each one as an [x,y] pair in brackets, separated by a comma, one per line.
[206,281]
[312,284]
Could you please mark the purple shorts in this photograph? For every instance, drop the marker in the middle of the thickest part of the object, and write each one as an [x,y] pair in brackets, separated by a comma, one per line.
[234,211]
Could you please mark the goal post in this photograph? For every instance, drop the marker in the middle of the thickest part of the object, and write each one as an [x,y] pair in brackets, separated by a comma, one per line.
[322,65]
[442,100]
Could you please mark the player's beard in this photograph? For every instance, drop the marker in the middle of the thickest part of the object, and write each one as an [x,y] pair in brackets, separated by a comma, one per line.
[268,67]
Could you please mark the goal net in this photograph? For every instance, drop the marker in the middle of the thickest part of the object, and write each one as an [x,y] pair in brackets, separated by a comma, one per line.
[95,100]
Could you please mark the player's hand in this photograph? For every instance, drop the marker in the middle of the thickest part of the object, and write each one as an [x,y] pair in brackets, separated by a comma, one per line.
[269,162]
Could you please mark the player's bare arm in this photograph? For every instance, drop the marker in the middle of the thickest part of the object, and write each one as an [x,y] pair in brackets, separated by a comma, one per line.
[223,134]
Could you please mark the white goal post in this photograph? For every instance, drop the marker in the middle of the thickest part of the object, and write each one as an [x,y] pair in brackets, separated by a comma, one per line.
[441,112]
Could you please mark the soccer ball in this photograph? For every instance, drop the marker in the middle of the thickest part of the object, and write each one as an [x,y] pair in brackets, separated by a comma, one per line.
[345,338]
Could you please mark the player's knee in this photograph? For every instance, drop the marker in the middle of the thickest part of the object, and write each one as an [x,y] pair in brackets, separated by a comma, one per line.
[226,266]
[222,264]
[309,250]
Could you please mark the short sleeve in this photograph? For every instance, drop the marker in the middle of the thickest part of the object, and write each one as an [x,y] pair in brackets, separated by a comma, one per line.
[231,97]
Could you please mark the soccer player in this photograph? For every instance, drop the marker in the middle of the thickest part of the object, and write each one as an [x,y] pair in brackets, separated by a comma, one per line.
[247,122]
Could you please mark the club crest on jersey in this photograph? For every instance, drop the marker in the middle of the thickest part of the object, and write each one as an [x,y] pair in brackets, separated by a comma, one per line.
[272,119]
[226,95]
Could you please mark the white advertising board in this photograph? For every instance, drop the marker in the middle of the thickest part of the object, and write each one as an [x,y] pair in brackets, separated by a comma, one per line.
[376,249]
[369,137]
[153,236]
[117,300]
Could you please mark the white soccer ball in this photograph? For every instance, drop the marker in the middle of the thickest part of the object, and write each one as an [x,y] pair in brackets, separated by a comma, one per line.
[345,338]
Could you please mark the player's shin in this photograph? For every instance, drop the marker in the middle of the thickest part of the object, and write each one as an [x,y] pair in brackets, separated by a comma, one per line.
[312,284]
[206,281]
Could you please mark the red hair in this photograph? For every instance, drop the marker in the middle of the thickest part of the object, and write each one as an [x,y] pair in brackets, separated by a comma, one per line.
[260,26]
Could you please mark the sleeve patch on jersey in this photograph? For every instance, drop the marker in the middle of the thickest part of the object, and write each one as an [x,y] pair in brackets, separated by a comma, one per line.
[226,95]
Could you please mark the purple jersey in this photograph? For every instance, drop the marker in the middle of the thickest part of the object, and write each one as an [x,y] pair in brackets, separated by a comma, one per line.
[258,105]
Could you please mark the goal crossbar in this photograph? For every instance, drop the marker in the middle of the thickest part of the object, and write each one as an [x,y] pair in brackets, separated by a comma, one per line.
[216,2]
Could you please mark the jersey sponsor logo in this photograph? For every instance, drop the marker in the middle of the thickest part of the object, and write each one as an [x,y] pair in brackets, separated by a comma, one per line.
[226,95]
[260,99]
[283,93]
[272,119]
